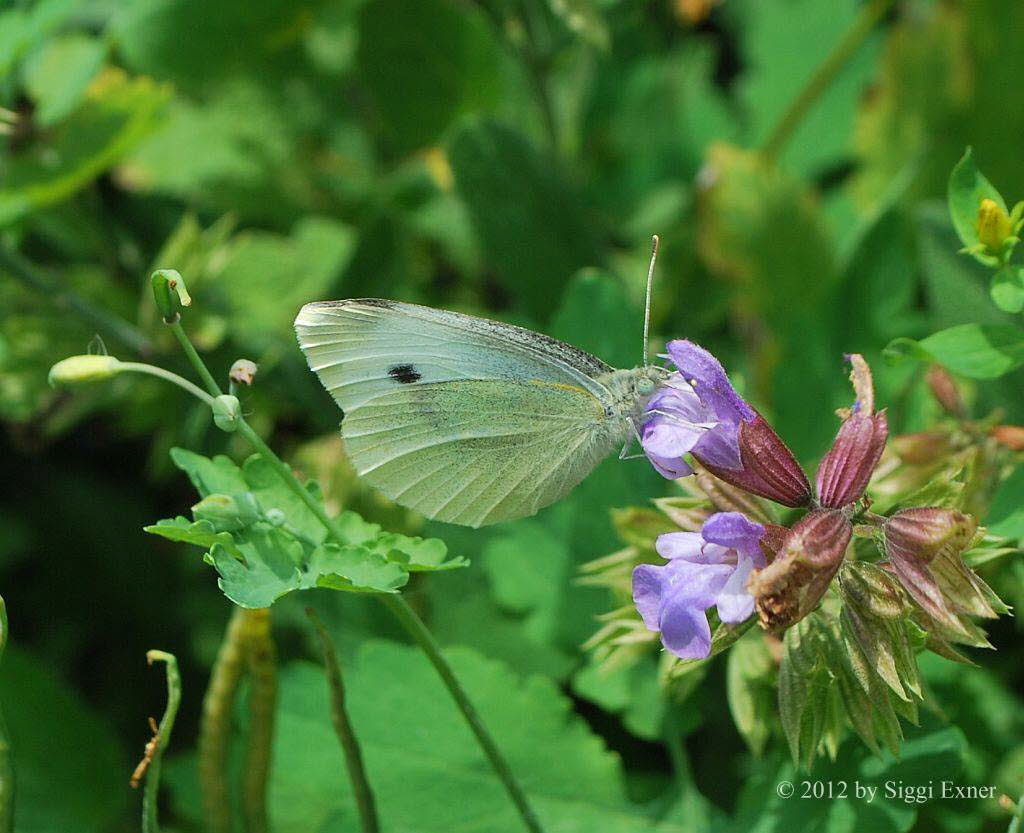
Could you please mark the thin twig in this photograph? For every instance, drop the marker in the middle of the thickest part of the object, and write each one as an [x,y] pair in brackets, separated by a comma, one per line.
[346,734]
[824,75]
[124,331]
[261,660]
[150,766]
[215,725]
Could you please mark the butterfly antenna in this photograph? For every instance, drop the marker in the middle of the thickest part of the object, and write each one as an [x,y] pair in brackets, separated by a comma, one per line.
[647,302]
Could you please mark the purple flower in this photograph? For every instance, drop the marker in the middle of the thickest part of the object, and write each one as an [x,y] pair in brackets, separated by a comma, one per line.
[705,568]
[697,411]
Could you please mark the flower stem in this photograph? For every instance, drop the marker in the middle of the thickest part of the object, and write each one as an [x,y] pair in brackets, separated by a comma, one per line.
[824,75]
[215,725]
[394,602]
[1018,816]
[425,639]
[346,735]
[124,331]
[6,757]
[261,661]
[168,376]
[163,738]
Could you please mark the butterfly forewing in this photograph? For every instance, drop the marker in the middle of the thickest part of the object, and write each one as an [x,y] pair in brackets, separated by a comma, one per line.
[463,419]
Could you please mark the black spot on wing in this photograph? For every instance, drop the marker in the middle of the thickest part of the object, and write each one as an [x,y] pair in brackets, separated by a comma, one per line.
[404,374]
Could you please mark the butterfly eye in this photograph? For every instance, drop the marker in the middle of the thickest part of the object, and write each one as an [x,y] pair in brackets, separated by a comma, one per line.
[644,386]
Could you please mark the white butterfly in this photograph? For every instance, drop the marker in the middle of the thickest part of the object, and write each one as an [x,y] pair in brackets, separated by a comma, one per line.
[464,419]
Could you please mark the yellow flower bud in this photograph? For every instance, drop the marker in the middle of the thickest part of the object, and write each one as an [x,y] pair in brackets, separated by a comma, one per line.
[993,225]
[78,370]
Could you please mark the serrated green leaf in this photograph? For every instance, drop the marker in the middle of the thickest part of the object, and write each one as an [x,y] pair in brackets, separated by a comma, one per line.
[419,753]
[416,554]
[973,350]
[198,533]
[967,188]
[274,563]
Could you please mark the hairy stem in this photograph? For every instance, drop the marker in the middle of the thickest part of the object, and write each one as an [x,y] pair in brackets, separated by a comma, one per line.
[124,331]
[215,725]
[261,661]
[394,602]
[6,756]
[160,742]
[824,75]
[346,734]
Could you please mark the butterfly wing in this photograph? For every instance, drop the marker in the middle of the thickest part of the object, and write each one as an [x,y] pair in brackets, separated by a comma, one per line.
[463,419]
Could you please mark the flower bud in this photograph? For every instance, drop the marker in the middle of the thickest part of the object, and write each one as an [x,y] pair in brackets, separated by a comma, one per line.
[789,588]
[1009,436]
[994,225]
[227,513]
[78,370]
[226,412]
[243,372]
[769,469]
[945,391]
[924,547]
[170,293]
[844,472]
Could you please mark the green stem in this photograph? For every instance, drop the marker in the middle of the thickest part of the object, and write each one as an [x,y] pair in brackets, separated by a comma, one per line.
[261,660]
[194,358]
[162,739]
[425,639]
[346,734]
[824,75]
[6,756]
[124,331]
[395,603]
[168,376]
[215,726]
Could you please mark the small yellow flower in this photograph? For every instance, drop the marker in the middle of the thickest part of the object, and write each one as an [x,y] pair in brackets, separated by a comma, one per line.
[994,225]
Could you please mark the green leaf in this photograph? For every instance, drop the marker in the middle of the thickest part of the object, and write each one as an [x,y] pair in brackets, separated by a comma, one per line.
[633,691]
[57,75]
[70,772]
[116,114]
[427,771]
[440,61]
[197,533]
[1007,289]
[275,563]
[535,227]
[977,351]
[1006,515]
[417,555]
[750,685]
[967,188]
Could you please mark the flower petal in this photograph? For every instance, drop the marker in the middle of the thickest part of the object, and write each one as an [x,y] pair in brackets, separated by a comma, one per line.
[647,594]
[720,446]
[667,439]
[735,604]
[736,531]
[685,631]
[670,467]
[685,545]
[709,380]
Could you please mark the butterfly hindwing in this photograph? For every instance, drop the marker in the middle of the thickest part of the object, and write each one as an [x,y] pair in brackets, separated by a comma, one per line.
[463,419]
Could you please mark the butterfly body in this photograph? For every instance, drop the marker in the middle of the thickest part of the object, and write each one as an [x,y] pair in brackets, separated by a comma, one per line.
[465,419]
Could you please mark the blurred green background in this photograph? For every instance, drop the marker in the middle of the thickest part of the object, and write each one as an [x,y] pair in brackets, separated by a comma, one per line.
[504,157]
